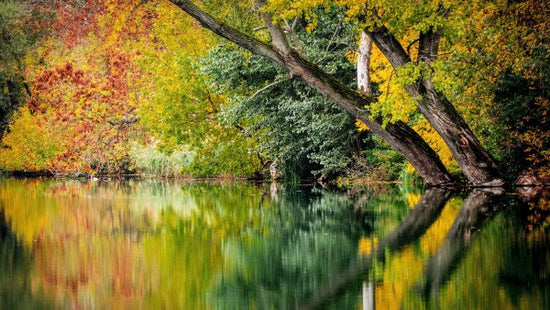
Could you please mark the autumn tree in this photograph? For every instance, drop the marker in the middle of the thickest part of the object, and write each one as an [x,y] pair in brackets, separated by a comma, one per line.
[179,109]
[106,84]
[15,41]
[83,96]
[412,37]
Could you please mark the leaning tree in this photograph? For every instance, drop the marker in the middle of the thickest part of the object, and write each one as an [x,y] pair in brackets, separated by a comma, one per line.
[474,161]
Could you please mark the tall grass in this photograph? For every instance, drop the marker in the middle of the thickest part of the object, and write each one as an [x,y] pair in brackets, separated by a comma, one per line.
[149,160]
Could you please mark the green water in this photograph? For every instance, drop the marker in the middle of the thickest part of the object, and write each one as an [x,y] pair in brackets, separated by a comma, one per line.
[144,244]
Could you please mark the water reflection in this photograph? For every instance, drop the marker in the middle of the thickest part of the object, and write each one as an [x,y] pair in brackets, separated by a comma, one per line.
[15,280]
[152,245]
[315,235]
[415,224]
[475,213]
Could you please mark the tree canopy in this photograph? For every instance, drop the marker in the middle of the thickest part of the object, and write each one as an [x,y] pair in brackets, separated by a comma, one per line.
[455,88]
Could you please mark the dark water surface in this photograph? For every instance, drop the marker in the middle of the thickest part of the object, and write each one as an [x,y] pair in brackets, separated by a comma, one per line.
[144,244]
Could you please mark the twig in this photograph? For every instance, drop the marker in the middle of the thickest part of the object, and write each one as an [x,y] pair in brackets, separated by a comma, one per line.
[259,91]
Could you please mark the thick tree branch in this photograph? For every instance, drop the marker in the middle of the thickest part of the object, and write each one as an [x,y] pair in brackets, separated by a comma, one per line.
[278,37]
[394,51]
[389,45]
[428,48]
[252,44]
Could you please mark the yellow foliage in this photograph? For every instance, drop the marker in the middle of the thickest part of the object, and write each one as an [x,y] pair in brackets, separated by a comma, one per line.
[435,235]
[27,146]
[287,9]
[430,135]
[405,268]
[394,103]
[361,126]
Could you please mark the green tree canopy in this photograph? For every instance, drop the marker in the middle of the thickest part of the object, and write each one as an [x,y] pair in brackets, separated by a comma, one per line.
[15,40]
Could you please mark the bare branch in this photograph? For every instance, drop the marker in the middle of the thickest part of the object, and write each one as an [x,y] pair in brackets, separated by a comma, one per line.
[411,44]
[333,37]
[259,28]
[261,90]
[299,46]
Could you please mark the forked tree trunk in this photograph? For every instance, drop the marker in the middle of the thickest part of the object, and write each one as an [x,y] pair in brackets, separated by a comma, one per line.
[474,161]
[399,135]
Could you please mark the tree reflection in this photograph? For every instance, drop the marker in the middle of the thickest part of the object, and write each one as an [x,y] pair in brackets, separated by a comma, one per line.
[425,212]
[151,244]
[422,216]
[475,213]
[16,291]
[314,234]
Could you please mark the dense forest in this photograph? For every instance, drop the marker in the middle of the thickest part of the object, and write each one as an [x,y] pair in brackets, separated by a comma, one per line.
[443,91]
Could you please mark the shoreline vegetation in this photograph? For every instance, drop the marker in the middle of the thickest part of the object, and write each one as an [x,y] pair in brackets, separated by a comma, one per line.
[436,93]
[340,182]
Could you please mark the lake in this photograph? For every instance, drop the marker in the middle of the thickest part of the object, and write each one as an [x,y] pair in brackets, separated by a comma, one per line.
[152,244]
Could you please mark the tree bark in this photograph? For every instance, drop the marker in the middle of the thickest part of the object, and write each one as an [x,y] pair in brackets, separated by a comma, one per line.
[363,64]
[475,162]
[399,135]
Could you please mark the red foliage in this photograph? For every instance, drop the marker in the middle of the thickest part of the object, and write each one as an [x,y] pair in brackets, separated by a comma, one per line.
[92,107]
[94,120]
[75,20]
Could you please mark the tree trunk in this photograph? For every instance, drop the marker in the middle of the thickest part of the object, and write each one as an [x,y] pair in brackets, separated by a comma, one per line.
[363,64]
[399,135]
[475,162]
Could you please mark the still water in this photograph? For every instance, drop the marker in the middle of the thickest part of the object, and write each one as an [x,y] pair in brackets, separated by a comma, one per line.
[145,244]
